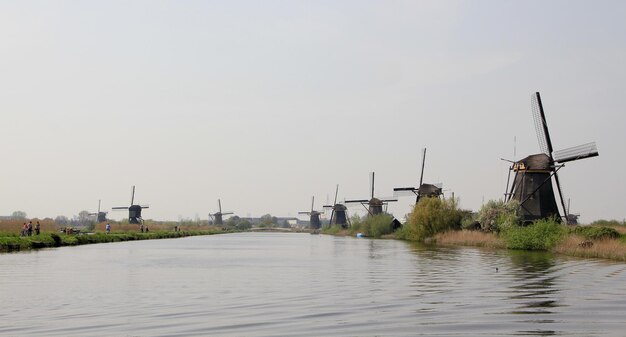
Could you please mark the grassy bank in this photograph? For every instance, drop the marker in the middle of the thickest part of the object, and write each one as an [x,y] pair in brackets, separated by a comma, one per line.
[47,240]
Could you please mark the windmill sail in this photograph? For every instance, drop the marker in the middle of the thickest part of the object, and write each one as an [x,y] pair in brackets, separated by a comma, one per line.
[577,152]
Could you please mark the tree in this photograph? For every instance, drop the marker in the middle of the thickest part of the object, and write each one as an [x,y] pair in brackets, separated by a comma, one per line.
[19,215]
[61,220]
[267,220]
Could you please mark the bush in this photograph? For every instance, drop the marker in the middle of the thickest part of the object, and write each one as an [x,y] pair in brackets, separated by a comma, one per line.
[372,226]
[596,232]
[429,217]
[494,215]
[540,235]
[603,222]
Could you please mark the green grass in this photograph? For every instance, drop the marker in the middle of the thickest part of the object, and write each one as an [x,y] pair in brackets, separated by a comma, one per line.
[541,235]
[596,232]
[15,243]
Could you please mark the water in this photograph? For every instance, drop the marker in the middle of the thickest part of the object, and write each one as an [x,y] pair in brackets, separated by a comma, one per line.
[264,284]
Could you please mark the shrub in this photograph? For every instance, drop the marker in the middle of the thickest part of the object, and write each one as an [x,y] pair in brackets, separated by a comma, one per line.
[596,232]
[494,215]
[603,222]
[540,235]
[429,217]
[372,226]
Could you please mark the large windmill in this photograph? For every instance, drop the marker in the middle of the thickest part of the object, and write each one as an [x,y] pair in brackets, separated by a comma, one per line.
[100,216]
[339,213]
[314,216]
[134,211]
[423,190]
[217,216]
[373,205]
[532,185]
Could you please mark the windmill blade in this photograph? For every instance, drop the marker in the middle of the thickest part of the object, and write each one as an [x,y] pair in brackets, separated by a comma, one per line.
[312,203]
[389,199]
[132,195]
[327,206]
[336,192]
[305,212]
[541,126]
[404,191]
[144,206]
[372,184]
[577,152]
[99,206]
[219,205]
[356,201]
[121,207]
[227,213]
[558,187]
[423,161]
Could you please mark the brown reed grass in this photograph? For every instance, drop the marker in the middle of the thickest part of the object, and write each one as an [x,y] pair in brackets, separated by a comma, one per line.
[612,249]
[469,238]
[14,226]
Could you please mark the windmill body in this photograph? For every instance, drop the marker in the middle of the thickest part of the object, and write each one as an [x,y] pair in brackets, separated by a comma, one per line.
[339,213]
[100,216]
[314,216]
[134,211]
[533,185]
[373,205]
[218,216]
[424,190]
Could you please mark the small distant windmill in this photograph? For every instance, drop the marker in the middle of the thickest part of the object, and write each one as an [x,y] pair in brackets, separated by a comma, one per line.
[373,205]
[314,216]
[423,190]
[100,216]
[134,211]
[532,185]
[339,213]
[217,216]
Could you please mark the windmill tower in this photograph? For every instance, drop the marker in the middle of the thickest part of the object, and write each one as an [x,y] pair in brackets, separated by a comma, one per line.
[423,190]
[373,205]
[314,216]
[134,211]
[217,217]
[339,213]
[532,185]
[100,216]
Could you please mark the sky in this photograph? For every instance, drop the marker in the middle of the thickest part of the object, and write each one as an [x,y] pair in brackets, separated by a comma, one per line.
[265,104]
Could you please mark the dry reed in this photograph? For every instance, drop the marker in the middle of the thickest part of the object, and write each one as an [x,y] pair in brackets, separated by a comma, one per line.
[469,238]
[14,226]
[612,249]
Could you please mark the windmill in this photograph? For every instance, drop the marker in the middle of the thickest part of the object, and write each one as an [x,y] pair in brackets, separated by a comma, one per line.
[374,205]
[314,215]
[423,190]
[532,185]
[339,213]
[134,211]
[100,216]
[217,217]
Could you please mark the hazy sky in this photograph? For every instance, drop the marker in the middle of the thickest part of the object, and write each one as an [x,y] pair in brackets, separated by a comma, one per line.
[266,103]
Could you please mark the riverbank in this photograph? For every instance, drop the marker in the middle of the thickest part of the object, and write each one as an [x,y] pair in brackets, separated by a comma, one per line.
[10,243]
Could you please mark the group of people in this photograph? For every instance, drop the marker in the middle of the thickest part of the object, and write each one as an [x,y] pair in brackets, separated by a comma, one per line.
[27,229]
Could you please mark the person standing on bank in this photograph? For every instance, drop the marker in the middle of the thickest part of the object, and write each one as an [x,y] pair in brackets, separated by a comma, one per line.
[30,228]
[108,228]
[37,228]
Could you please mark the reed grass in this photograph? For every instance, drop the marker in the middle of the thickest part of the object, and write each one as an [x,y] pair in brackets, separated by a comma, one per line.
[470,238]
[14,226]
[612,249]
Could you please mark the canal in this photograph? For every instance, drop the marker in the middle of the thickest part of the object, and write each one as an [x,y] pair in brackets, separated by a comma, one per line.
[277,284]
